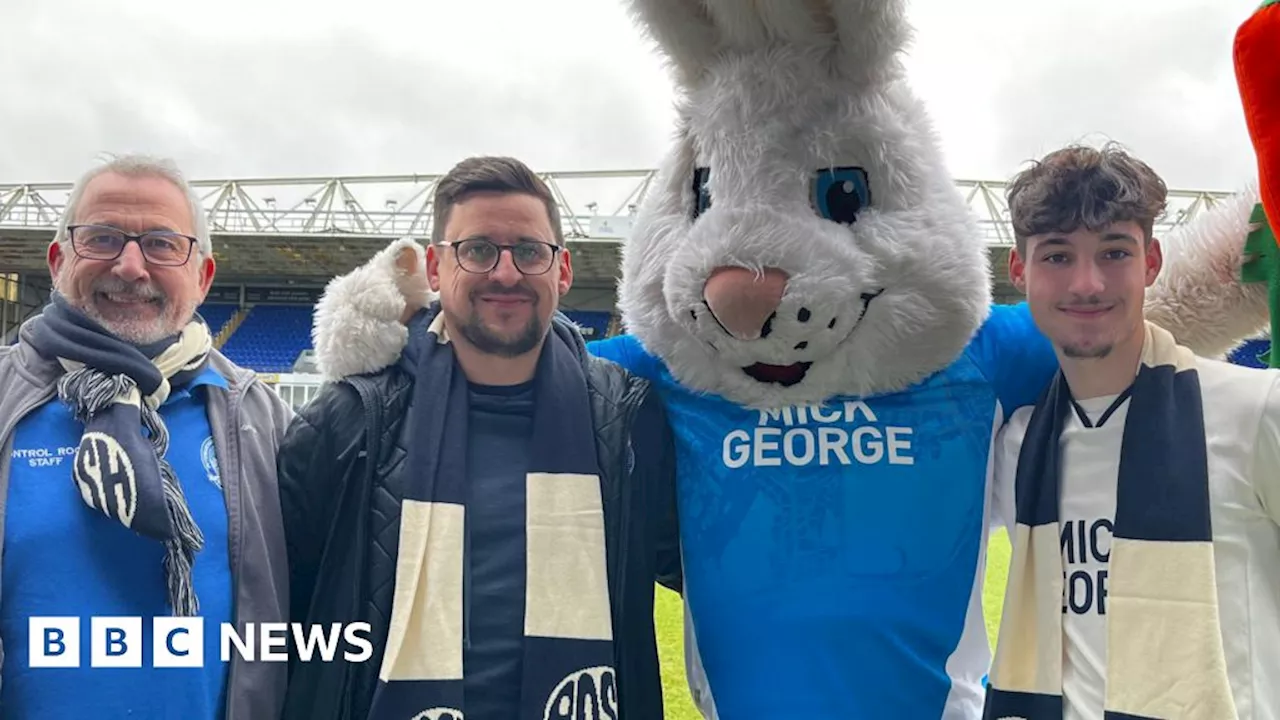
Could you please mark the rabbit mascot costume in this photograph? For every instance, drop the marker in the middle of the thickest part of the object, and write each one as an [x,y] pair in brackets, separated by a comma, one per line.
[811,297]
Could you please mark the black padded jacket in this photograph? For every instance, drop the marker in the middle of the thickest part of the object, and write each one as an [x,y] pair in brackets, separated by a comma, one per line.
[342,516]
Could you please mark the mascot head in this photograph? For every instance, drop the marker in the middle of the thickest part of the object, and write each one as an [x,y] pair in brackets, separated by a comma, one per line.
[804,238]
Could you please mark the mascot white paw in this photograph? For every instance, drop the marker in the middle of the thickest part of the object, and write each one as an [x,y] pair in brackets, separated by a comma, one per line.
[360,319]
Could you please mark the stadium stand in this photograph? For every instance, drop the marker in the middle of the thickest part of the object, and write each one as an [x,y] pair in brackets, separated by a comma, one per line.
[279,241]
[270,338]
[594,324]
[216,315]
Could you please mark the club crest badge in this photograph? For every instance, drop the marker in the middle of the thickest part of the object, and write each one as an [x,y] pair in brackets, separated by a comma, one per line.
[209,458]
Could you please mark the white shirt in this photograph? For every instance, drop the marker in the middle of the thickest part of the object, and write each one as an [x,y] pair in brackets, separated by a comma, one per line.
[1242,429]
[1086,511]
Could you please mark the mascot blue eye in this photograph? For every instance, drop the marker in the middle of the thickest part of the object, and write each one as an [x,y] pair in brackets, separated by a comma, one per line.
[701,193]
[839,194]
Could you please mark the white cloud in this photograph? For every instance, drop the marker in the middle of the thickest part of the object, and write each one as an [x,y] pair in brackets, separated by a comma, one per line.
[269,87]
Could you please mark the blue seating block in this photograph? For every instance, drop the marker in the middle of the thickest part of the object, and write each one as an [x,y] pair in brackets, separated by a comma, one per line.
[271,338]
[216,315]
[594,324]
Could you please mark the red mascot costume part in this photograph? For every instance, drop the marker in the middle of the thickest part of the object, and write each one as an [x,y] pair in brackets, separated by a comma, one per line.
[1257,65]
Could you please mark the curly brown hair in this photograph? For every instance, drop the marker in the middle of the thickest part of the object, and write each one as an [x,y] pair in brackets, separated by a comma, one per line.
[1083,187]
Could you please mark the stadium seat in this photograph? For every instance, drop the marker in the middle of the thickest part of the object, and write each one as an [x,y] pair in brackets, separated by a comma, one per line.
[216,315]
[595,325]
[271,338]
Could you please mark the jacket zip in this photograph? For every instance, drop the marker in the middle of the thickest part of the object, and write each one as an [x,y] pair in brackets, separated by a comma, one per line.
[631,407]
[233,438]
[372,403]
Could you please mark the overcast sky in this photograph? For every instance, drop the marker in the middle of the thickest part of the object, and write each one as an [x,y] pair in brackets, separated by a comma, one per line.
[249,88]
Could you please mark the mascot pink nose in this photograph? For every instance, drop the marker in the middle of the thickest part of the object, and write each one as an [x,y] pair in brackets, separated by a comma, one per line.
[742,300]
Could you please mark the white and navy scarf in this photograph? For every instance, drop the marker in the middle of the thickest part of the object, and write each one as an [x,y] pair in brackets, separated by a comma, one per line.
[114,388]
[568,638]
[1165,658]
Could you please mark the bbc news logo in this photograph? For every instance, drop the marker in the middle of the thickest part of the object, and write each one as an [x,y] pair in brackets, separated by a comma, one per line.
[178,642]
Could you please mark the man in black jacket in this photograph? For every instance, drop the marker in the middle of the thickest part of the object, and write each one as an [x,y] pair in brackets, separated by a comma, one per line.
[496,504]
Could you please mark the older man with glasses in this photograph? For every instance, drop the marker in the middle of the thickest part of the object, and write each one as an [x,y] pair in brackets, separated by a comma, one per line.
[496,505]
[137,474]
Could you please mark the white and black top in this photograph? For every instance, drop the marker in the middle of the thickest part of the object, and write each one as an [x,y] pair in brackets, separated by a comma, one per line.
[1242,433]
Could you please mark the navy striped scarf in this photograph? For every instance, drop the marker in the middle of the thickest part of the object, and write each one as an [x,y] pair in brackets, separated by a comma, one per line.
[1165,658]
[115,389]
[568,644]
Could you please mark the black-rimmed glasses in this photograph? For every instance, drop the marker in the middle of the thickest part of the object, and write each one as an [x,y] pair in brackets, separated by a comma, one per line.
[159,247]
[480,256]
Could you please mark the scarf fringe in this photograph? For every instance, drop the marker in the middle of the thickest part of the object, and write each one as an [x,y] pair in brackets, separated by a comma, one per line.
[180,552]
[87,392]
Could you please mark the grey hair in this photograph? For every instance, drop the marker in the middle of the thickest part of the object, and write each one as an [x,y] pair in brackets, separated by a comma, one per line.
[136,165]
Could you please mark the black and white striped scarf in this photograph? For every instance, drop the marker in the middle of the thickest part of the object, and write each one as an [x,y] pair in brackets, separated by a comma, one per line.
[1165,659]
[568,642]
[115,389]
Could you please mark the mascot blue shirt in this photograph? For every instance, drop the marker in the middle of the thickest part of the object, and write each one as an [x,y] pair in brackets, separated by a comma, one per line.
[810,532]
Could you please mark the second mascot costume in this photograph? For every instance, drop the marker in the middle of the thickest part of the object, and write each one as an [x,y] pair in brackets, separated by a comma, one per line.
[811,296]
[1257,65]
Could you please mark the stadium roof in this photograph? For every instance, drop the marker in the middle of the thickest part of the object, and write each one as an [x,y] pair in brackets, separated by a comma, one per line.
[309,229]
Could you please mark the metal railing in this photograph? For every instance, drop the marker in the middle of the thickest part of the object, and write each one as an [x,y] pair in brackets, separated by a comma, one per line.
[297,389]
[594,205]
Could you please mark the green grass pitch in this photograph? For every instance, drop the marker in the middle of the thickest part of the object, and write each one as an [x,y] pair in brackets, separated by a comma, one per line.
[670,625]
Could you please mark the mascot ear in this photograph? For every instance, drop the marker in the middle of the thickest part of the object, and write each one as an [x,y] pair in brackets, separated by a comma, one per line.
[862,37]
[684,32]
[870,34]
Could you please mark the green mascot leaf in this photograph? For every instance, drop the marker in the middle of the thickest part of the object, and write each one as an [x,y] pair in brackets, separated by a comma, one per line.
[1263,265]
